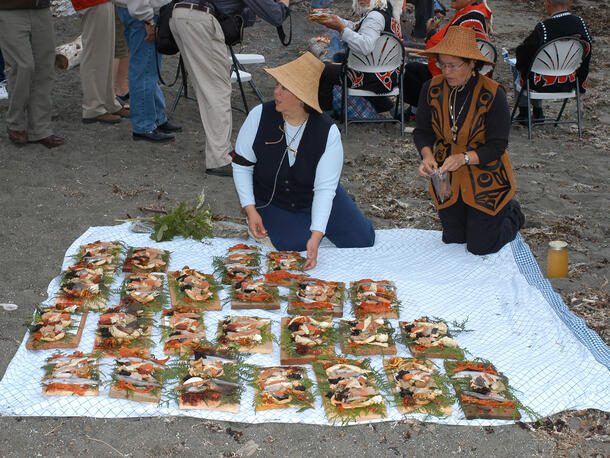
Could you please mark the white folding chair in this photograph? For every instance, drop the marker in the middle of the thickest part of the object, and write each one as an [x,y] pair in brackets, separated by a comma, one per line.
[240,75]
[489,51]
[388,55]
[559,57]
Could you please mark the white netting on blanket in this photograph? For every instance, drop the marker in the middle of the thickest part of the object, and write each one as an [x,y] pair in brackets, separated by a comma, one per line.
[517,322]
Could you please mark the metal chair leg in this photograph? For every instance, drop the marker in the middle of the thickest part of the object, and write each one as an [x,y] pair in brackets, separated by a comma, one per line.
[563,105]
[241,86]
[529,112]
[578,113]
[344,97]
[402,109]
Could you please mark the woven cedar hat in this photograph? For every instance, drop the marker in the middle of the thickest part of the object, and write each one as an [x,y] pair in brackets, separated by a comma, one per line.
[301,77]
[459,42]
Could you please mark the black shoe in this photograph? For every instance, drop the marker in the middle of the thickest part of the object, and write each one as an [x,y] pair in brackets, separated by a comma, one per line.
[224,171]
[167,128]
[154,136]
[517,210]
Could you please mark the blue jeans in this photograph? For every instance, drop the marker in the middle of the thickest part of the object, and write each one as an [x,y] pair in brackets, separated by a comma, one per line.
[147,104]
[347,227]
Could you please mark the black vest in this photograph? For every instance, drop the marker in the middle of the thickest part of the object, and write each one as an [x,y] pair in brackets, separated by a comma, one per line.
[294,189]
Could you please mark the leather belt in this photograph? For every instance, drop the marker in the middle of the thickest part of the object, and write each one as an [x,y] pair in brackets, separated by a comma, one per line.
[194,6]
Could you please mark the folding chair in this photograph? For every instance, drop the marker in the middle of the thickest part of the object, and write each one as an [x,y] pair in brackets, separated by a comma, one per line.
[557,58]
[388,55]
[240,75]
[488,50]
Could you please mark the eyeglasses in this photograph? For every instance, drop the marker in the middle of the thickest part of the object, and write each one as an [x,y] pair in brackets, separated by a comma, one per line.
[449,67]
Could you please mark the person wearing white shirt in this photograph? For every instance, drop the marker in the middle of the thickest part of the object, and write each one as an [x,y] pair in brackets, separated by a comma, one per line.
[380,16]
[287,165]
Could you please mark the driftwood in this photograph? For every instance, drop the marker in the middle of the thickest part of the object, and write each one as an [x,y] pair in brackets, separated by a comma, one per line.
[68,55]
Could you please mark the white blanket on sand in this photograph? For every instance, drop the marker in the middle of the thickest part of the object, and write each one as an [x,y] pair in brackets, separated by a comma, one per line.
[517,322]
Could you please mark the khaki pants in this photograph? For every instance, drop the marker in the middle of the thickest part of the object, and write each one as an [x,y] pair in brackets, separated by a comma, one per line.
[97,60]
[28,46]
[201,42]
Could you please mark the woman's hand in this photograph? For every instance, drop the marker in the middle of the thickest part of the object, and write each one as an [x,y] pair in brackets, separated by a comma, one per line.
[453,162]
[255,222]
[332,22]
[312,249]
[428,165]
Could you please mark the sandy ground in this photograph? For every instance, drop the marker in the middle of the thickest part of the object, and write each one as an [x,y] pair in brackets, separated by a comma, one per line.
[49,197]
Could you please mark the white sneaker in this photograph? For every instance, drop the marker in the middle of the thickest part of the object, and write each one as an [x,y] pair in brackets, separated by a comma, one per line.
[3,91]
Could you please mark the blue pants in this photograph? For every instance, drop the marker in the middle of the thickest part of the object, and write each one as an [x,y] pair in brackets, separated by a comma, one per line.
[147,104]
[347,227]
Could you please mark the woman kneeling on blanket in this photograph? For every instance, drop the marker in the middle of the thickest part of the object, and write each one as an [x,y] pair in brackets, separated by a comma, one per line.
[463,124]
[287,164]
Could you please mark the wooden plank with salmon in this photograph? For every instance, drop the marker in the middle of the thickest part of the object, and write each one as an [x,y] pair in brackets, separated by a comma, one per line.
[56,328]
[146,260]
[145,289]
[311,296]
[349,390]
[85,285]
[209,380]
[137,379]
[375,299]
[74,374]
[417,386]
[241,263]
[246,334]
[366,337]
[430,339]
[126,328]
[254,294]
[282,387]
[482,391]
[191,289]
[181,331]
[284,261]
[305,340]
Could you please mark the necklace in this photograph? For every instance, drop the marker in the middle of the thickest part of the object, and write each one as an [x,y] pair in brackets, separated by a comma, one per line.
[452,107]
[295,136]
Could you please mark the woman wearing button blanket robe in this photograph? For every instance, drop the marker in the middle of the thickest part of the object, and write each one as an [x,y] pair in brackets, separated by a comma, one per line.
[287,165]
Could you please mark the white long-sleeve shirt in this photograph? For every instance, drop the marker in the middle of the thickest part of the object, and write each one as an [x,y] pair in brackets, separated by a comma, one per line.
[363,41]
[142,10]
[327,174]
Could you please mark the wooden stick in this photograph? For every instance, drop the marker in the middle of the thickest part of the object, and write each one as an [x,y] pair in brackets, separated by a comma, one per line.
[68,55]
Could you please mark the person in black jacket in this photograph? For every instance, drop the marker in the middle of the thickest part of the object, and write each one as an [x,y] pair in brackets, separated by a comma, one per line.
[561,23]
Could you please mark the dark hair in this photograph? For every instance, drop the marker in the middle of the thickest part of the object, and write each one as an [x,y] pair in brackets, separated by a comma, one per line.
[308,109]
[478,65]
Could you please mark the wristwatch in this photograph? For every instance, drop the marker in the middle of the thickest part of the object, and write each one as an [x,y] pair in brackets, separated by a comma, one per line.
[151,22]
[466,158]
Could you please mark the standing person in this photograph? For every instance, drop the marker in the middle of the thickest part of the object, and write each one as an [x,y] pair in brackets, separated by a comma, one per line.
[147,104]
[96,65]
[424,10]
[463,123]
[28,44]
[473,14]
[121,63]
[3,91]
[560,23]
[201,41]
[287,168]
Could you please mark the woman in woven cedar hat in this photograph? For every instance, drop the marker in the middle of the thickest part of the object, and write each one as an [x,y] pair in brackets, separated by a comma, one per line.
[463,123]
[287,164]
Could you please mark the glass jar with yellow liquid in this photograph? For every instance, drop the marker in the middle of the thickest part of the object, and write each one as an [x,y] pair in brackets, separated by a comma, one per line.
[557,262]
